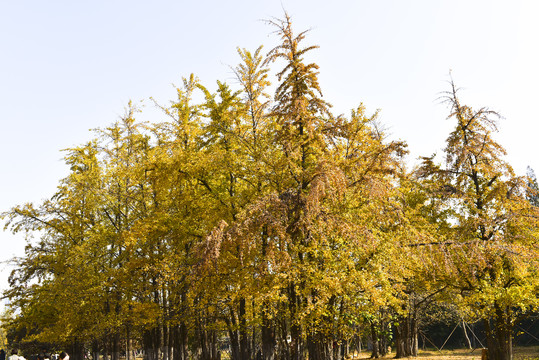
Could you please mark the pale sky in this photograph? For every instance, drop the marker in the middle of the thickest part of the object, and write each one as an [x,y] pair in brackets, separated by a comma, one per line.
[70,66]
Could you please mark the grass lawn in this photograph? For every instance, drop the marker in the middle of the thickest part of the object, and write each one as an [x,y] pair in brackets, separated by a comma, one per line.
[519,353]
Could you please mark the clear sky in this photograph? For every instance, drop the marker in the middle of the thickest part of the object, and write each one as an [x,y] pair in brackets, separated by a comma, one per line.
[70,66]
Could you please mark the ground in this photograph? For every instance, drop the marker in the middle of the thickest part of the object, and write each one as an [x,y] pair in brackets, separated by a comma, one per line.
[519,353]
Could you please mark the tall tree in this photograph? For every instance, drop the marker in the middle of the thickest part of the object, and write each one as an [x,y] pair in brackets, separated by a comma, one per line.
[490,258]
[326,227]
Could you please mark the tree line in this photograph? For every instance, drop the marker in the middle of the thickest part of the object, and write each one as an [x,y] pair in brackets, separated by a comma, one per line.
[268,225]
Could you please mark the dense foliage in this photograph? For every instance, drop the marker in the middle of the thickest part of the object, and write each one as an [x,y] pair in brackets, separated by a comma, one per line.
[274,228]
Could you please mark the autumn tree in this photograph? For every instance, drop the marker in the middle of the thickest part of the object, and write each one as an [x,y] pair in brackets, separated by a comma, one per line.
[490,256]
[40,284]
[426,224]
[272,225]
[318,240]
[78,260]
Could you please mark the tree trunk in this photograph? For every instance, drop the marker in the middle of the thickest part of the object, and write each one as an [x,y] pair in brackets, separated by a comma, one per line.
[317,347]
[180,338]
[234,345]
[214,352]
[128,344]
[375,345]
[499,336]
[358,342]
[233,336]
[206,344]
[148,344]
[406,337]
[107,348]
[77,352]
[163,346]
[95,350]
[414,341]
[268,336]
[382,339]
[267,331]
[284,348]
[244,338]
[295,331]
[115,347]
[179,342]
[256,352]
[400,339]
[183,341]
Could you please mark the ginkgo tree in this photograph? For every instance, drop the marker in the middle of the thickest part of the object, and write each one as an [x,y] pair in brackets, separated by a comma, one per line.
[272,226]
[321,239]
[490,255]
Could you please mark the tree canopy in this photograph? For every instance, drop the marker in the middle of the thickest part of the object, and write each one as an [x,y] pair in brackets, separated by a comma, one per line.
[272,227]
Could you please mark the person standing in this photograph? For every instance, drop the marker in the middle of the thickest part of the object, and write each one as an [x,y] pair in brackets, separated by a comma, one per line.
[2,354]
